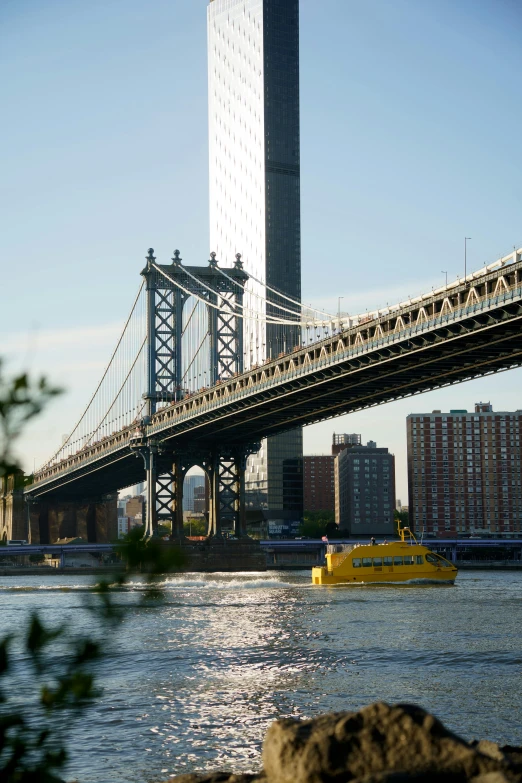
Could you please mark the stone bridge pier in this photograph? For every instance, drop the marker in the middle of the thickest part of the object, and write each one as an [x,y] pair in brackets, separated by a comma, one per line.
[13,516]
[41,521]
[93,519]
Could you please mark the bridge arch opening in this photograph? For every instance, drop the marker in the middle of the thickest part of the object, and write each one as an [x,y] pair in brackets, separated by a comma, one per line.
[196,490]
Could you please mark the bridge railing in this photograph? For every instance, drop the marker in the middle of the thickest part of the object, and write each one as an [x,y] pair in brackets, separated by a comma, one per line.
[330,359]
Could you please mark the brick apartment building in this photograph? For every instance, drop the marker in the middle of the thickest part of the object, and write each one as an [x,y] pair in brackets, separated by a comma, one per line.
[319,483]
[464,472]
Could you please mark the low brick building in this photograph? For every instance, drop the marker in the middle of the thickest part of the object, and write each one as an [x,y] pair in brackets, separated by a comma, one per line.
[318,483]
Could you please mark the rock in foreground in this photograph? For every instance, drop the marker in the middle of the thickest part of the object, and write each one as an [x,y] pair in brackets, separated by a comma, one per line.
[379,744]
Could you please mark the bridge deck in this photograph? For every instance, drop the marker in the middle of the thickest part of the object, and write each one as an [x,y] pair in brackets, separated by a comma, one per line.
[452,335]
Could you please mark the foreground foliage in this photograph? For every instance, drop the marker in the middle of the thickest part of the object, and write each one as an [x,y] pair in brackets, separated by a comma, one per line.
[58,662]
[21,399]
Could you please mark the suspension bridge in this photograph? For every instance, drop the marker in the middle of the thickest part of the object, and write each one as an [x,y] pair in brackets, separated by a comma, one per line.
[185,385]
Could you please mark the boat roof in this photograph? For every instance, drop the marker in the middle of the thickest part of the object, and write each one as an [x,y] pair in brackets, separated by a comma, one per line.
[338,548]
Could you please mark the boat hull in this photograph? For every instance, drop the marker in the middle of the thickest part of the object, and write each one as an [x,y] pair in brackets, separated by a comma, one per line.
[320,576]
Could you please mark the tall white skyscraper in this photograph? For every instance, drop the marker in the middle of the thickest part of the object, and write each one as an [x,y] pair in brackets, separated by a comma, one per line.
[253,65]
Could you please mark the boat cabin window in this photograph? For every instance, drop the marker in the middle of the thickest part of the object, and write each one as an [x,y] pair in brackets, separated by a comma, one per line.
[367,562]
[397,561]
[419,559]
[388,561]
[356,562]
[436,560]
[408,560]
[377,561]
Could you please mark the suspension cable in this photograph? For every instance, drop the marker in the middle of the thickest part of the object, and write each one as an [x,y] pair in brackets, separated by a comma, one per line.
[119,391]
[278,293]
[189,319]
[68,440]
[252,313]
[194,357]
[289,298]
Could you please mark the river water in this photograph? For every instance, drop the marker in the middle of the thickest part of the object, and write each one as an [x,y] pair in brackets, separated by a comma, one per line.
[192,682]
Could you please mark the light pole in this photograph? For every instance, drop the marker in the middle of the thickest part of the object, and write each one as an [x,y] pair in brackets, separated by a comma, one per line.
[339,310]
[445,273]
[465,258]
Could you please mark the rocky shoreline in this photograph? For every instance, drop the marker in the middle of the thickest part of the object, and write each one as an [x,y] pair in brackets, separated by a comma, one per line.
[380,744]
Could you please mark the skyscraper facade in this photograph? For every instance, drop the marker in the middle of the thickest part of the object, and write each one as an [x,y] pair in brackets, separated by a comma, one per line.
[464,472]
[254,183]
[189,490]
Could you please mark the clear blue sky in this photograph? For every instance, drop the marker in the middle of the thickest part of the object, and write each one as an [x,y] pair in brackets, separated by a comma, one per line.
[410,119]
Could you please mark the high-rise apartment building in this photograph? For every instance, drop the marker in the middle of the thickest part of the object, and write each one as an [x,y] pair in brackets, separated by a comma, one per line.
[200,499]
[253,66]
[365,490]
[319,482]
[464,472]
[190,484]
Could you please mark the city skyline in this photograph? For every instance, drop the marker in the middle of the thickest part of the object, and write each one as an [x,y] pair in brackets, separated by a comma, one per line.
[398,165]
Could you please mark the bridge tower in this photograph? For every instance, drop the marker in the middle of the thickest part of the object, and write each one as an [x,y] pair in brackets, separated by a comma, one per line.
[168,289]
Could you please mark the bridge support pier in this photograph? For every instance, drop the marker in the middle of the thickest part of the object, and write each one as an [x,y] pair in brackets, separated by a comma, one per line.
[227,497]
[151,522]
[170,496]
[95,520]
[148,451]
[166,473]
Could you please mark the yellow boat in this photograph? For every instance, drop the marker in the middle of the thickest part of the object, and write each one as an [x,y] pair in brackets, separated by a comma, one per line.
[397,562]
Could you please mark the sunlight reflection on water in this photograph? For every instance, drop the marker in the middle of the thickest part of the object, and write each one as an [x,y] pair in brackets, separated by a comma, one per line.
[193,682]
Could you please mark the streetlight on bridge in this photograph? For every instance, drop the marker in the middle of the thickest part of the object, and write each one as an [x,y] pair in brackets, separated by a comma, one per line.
[465,258]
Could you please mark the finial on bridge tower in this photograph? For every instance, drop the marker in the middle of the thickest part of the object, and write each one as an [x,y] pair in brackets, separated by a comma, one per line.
[150,257]
[177,258]
[238,264]
[212,261]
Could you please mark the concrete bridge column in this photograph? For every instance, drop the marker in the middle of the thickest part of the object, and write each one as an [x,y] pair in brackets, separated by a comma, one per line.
[240,522]
[151,522]
[148,451]
[214,527]
[178,475]
[42,526]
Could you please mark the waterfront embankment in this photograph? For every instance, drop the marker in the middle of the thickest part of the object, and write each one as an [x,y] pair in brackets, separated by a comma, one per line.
[227,566]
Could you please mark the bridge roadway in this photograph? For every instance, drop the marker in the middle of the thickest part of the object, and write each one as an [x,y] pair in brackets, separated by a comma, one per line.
[459,332]
[305,553]
[55,549]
